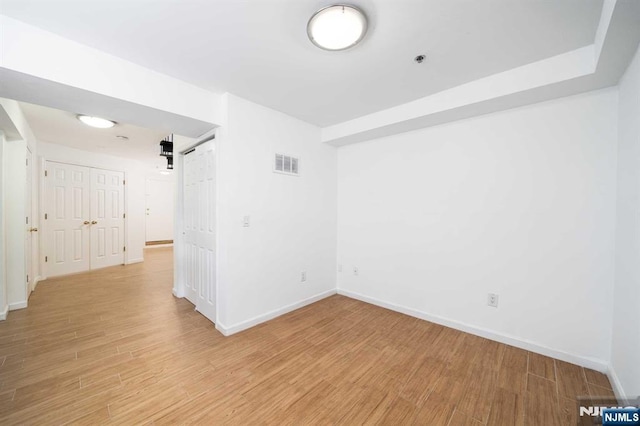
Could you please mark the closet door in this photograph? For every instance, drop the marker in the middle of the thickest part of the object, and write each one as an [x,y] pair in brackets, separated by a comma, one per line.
[199,229]
[190,202]
[67,218]
[107,218]
[206,241]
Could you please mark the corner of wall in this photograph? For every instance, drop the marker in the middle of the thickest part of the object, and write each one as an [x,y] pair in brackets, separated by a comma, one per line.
[177,293]
[588,362]
[18,305]
[224,330]
[244,325]
[615,383]
[624,371]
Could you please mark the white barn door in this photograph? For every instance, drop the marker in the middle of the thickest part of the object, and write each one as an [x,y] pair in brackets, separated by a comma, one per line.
[199,229]
[107,218]
[67,218]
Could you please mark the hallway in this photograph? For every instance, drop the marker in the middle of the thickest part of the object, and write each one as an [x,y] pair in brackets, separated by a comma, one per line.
[98,338]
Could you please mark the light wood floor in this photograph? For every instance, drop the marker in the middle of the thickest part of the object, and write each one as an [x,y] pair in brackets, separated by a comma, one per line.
[114,346]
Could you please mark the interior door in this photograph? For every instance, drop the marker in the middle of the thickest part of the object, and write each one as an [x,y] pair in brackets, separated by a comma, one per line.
[159,218]
[200,219]
[67,218]
[107,218]
[189,214]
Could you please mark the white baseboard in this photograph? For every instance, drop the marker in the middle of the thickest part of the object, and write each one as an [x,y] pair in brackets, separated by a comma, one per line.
[4,312]
[132,261]
[615,384]
[228,331]
[35,283]
[17,305]
[592,363]
[222,329]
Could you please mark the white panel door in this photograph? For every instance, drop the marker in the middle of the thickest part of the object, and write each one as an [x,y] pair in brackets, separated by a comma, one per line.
[199,221]
[107,218]
[159,198]
[189,210]
[67,218]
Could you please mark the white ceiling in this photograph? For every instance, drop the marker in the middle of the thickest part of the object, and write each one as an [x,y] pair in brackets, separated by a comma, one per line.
[63,128]
[259,49]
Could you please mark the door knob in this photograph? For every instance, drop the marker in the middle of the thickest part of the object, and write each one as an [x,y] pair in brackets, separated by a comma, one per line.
[93,222]
[86,222]
[33,230]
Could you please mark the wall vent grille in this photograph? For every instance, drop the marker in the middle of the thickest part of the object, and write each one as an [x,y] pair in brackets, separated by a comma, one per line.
[286,164]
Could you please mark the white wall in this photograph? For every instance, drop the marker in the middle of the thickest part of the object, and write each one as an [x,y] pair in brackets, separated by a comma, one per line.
[14,170]
[16,227]
[293,219]
[626,314]
[4,306]
[135,174]
[519,203]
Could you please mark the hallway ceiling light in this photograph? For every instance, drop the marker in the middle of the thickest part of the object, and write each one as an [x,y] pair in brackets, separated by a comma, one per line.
[100,123]
[337,27]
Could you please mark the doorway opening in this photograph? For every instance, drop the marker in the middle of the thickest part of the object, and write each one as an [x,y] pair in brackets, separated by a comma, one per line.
[93,198]
[159,212]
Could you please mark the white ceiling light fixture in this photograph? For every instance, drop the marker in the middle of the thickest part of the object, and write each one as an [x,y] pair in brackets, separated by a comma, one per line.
[337,27]
[97,122]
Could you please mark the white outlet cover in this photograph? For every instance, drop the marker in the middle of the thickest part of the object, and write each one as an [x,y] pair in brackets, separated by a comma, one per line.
[492,300]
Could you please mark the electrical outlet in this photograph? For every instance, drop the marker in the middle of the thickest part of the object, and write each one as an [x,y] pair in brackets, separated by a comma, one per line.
[303,276]
[492,300]
[355,270]
[246,221]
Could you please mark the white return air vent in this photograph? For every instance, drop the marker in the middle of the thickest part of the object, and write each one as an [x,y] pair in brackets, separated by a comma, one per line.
[286,164]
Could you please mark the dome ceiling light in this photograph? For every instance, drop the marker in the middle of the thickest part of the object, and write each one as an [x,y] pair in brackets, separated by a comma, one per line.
[337,27]
[97,122]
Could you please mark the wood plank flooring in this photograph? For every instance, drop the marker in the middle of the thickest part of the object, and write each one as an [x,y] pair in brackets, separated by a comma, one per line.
[115,347]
